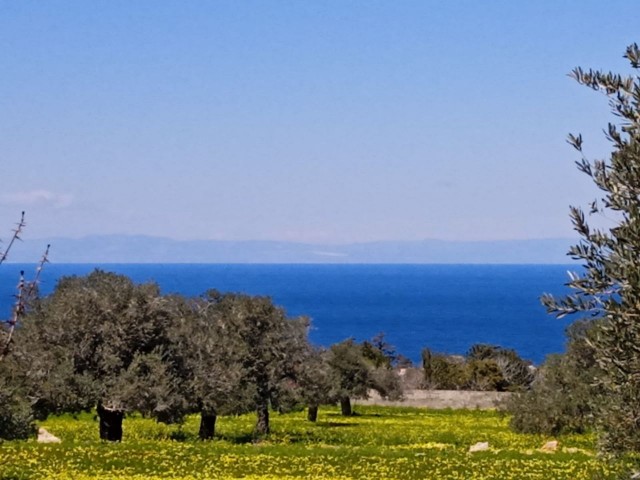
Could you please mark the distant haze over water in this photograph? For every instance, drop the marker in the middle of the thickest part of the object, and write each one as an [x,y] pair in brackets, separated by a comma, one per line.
[445,307]
[147,249]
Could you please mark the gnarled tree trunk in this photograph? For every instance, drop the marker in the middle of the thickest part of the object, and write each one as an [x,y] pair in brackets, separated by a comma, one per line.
[207,425]
[262,404]
[312,413]
[345,406]
[262,425]
[110,423]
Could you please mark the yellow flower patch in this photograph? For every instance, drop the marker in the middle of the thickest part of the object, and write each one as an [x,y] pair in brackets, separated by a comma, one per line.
[381,443]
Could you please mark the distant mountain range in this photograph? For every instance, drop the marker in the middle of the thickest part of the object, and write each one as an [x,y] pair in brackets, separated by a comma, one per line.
[147,249]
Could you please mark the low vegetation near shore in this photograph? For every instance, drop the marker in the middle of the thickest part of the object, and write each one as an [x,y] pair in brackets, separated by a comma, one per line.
[377,442]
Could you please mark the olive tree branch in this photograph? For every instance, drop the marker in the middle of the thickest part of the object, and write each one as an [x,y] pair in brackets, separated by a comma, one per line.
[26,291]
[16,236]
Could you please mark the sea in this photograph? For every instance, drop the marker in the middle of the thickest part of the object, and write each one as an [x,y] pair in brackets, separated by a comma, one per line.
[446,308]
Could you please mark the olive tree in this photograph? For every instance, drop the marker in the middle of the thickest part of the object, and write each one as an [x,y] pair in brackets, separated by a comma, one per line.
[315,382]
[356,368]
[350,371]
[101,341]
[310,385]
[608,287]
[211,361]
[270,347]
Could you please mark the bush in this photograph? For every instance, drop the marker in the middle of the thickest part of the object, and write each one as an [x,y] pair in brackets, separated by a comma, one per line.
[553,405]
[485,367]
[444,372]
[496,368]
[562,398]
[485,375]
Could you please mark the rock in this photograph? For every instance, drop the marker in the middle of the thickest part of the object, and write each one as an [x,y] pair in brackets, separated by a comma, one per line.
[550,447]
[479,447]
[46,437]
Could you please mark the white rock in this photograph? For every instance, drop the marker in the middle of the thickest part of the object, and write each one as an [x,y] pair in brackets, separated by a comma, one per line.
[479,447]
[46,437]
[551,446]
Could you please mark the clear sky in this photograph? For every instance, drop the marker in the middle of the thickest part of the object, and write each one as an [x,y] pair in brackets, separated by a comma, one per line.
[319,121]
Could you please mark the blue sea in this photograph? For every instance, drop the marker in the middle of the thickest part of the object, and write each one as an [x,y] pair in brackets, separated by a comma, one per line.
[447,308]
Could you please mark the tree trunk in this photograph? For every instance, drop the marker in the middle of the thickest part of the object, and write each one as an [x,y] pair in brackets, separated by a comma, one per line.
[345,406]
[312,413]
[262,426]
[110,423]
[262,403]
[207,425]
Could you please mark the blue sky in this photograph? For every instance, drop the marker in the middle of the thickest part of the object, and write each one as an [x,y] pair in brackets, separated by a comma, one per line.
[325,121]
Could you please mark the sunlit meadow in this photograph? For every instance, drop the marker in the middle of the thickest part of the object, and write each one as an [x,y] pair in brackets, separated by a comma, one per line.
[390,443]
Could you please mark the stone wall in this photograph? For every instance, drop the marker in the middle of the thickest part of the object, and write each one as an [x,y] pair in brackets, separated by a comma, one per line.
[441,399]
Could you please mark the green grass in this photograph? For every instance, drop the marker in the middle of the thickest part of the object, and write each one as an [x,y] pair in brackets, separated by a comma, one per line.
[398,443]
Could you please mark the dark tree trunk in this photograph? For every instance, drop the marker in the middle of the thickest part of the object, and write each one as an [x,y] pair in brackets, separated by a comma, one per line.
[262,425]
[207,426]
[345,406]
[312,413]
[262,404]
[110,424]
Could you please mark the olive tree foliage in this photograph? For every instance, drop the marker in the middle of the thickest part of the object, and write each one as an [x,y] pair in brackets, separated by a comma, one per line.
[350,373]
[210,358]
[608,288]
[242,353]
[269,348]
[355,368]
[314,387]
[101,341]
[16,418]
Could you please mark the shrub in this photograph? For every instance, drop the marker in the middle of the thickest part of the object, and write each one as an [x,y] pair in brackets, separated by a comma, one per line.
[496,368]
[444,372]
[562,398]
[485,367]
[485,375]
[553,405]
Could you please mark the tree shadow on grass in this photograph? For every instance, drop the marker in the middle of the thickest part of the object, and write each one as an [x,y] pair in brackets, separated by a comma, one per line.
[336,424]
[357,414]
[238,439]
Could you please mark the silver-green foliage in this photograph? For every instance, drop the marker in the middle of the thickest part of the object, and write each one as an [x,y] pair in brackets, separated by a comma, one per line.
[100,340]
[608,289]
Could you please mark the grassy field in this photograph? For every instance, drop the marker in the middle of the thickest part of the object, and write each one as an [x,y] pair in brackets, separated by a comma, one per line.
[380,442]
